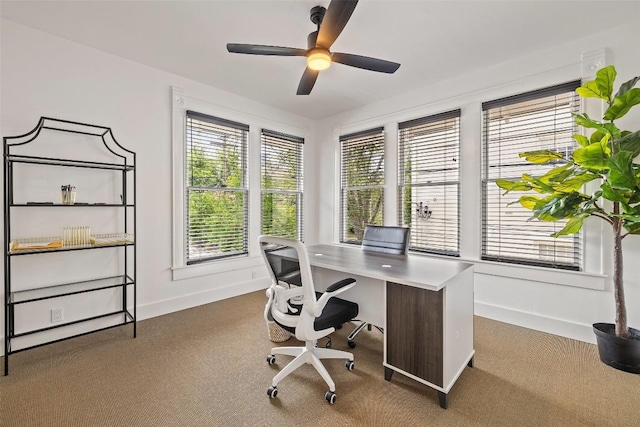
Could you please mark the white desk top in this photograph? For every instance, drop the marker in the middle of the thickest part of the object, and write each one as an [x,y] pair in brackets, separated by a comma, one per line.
[413,270]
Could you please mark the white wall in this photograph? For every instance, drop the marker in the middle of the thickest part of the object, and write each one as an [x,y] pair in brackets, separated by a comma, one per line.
[43,75]
[525,296]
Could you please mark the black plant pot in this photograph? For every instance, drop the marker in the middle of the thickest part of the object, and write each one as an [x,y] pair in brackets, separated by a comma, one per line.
[619,353]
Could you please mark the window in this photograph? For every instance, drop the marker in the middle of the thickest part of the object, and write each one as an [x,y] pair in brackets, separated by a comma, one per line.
[362,183]
[531,121]
[216,188]
[428,180]
[281,159]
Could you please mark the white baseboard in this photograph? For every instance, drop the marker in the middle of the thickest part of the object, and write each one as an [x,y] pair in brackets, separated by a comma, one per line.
[537,322]
[183,302]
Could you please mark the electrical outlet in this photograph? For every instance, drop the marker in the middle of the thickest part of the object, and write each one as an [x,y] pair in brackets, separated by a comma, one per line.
[56,315]
[254,274]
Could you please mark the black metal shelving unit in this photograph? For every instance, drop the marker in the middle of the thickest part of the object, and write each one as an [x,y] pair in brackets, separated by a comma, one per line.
[125,162]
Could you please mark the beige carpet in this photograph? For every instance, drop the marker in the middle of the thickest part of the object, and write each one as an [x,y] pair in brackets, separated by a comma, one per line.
[207,367]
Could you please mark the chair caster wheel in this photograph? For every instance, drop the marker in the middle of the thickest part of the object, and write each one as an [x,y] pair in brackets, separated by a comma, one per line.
[330,397]
[349,364]
[271,359]
[352,344]
[328,344]
[272,392]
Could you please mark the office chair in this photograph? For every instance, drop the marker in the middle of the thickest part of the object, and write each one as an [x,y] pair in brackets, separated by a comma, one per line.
[384,239]
[315,318]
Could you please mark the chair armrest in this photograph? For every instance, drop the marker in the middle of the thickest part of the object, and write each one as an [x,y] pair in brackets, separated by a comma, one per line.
[341,284]
[333,290]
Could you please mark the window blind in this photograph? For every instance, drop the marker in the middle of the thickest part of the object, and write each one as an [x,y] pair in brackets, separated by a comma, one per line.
[216,205]
[282,184]
[361,183]
[428,180]
[536,120]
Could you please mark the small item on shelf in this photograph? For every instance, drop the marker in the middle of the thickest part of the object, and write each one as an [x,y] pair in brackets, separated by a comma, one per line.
[76,236]
[68,194]
[35,243]
[39,203]
[111,239]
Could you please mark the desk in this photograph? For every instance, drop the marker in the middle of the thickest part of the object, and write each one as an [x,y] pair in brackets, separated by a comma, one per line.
[425,306]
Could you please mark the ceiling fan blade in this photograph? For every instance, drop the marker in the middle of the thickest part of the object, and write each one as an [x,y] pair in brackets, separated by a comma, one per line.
[307,81]
[335,18]
[365,62]
[256,49]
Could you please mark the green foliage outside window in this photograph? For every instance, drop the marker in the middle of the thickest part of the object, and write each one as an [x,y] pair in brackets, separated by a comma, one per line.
[364,168]
[216,200]
[281,188]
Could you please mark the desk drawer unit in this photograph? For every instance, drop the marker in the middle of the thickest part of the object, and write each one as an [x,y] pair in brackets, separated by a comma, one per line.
[429,333]
[415,347]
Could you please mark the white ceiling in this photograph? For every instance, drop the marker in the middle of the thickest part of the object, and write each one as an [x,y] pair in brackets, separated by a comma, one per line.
[433,40]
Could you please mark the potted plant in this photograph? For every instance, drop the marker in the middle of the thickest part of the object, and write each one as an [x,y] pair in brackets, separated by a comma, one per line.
[607,157]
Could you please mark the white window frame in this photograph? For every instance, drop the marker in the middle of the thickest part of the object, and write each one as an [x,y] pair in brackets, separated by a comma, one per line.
[420,212]
[510,258]
[215,125]
[181,102]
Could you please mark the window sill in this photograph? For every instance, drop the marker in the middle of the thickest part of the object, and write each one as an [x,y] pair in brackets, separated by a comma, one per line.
[216,266]
[578,279]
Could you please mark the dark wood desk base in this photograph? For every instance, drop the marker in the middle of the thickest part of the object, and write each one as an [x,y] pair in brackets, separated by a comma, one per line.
[443,398]
[416,347]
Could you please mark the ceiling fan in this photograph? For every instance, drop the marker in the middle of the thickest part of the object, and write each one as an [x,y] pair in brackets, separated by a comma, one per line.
[330,22]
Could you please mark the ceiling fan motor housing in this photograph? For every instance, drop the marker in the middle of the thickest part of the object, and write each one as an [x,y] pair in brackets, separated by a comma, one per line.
[317,13]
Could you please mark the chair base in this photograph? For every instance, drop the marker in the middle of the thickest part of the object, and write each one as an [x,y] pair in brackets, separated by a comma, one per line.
[357,330]
[312,355]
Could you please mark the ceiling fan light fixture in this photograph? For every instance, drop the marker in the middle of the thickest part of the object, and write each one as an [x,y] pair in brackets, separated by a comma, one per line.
[318,59]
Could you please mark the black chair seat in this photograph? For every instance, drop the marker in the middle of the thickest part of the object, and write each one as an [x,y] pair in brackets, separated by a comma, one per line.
[335,313]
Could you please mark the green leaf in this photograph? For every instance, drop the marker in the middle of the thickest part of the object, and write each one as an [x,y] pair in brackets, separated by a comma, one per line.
[572,227]
[575,183]
[627,86]
[541,156]
[612,130]
[512,185]
[537,184]
[529,202]
[597,136]
[558,174]
[582,140]
[631,143]
[632,227]
[593,157]
[605,77]
[622,104]
[591,90]
[585,121]
[621,174]
[610,194]
[559,206]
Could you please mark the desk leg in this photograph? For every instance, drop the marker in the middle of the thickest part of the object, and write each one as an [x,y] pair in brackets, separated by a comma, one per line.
[387,373]
[443,398]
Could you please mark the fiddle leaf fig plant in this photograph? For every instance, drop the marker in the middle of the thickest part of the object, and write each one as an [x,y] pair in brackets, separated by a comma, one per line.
[608,157]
